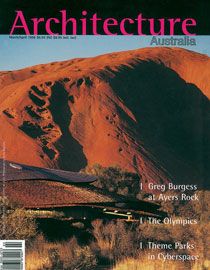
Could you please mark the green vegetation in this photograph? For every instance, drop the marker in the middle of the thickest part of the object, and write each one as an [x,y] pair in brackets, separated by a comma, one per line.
[115,243]
[114,179]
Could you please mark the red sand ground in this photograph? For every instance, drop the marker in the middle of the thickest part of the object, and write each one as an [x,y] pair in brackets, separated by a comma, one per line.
[145,110]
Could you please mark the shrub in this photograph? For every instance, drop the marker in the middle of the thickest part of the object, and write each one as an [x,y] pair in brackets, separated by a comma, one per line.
[66,255]
[16,224]
[115,240]
[114,179]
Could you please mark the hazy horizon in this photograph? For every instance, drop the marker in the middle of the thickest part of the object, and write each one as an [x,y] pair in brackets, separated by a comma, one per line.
[21,53]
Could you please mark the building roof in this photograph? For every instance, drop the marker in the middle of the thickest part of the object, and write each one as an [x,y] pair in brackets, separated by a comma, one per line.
[39,193]
[16,171]
[23,187]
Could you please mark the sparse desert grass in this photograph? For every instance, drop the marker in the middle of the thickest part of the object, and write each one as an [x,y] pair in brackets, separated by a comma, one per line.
[115,240]
[145,264]
[142,263]
[15,223]
[117,243]
[44,255]
[36,260]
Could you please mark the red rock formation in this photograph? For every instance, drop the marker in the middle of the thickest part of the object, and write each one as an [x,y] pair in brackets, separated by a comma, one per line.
[145,110]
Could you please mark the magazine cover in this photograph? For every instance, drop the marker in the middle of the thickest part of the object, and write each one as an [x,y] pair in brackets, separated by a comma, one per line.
[104,135]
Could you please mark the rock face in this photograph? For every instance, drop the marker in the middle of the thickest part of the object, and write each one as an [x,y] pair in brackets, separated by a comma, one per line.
[145,110]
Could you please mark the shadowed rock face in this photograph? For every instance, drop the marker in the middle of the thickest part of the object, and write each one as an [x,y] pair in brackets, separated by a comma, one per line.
[171,116]
[70,151]
[145,110]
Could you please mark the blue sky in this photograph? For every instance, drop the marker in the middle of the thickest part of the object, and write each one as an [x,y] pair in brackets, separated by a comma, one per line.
[17,53]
